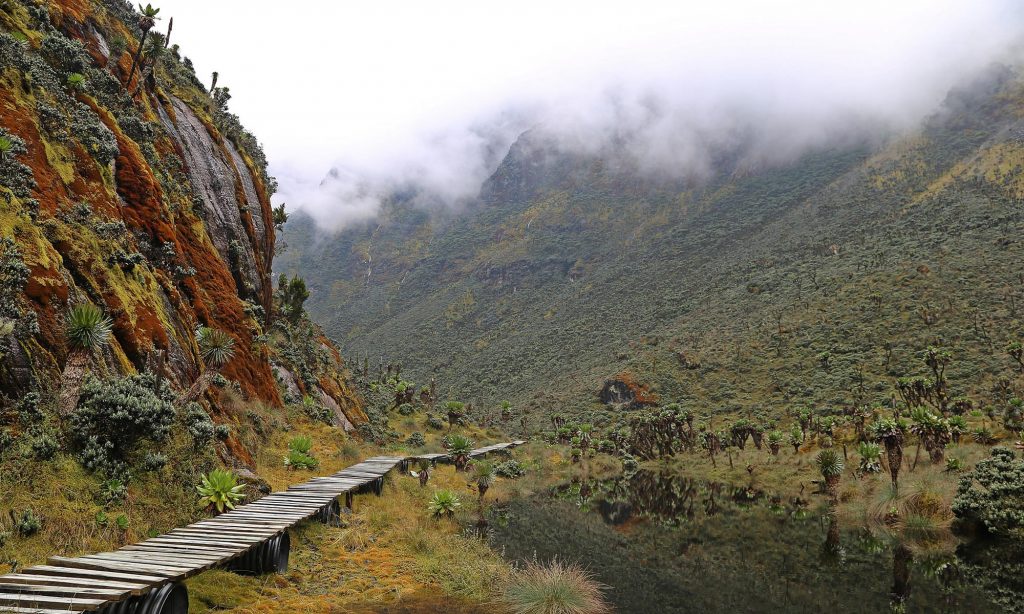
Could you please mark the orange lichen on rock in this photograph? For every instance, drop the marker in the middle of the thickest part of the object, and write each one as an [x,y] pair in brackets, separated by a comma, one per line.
[625,389]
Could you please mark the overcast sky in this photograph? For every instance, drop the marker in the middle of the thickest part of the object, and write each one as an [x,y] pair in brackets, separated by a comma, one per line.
[393,90]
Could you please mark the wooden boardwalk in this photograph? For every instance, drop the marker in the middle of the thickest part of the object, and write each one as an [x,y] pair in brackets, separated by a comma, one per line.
[145,578]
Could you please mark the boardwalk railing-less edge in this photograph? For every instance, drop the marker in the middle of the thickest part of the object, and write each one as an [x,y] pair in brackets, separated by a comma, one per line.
[146,578]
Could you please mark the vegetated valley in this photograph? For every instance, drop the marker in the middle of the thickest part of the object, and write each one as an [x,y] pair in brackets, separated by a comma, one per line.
[783,386]
[858,307]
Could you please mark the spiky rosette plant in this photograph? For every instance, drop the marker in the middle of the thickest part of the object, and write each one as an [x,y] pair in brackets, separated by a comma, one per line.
[459,448]
[146,22]
[424,472]
[891,433]
[220,490]
[796,439]
[86,329]
[216,348]
[444,503]
[830,464]
[483,477]
[933,432]
[870,454]
[775,442]
[6,147]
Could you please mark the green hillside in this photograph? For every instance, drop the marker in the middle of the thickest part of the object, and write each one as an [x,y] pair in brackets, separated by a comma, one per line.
[814,283]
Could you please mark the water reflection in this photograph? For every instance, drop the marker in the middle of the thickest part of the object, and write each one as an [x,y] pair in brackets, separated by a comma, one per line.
[665,543]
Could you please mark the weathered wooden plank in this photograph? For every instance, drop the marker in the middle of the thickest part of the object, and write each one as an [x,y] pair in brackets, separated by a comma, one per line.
[168,560]
[84,591]
[149,570]
[157,549]
[208,537]
[134,588]
[235,527]
[68,604]
[78,572]
[11,609]
[199,537]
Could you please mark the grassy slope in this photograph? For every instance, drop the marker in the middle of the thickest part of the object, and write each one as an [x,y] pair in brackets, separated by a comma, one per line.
[539,298]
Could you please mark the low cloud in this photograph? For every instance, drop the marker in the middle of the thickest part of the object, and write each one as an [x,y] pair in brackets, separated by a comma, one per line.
[428,100]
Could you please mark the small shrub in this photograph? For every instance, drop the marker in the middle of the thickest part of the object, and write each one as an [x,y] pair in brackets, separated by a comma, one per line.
[510,469]
[954,464]
[317,411]
[222,432]
[154,461]
[406,409]
[434,422]
[199,425]
[993,494]
[115,416]
[630,463]
[28,409]
[416,440]
[42,444]
[555,588]
[122,522]
[29,524]
[349,450]
[444,503]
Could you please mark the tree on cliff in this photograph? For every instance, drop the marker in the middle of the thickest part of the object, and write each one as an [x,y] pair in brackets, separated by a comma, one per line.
[146,23]
[293,294]
[87,329]
[217,348]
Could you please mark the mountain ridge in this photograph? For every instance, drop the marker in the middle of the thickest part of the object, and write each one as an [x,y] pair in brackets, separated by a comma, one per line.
[567,274]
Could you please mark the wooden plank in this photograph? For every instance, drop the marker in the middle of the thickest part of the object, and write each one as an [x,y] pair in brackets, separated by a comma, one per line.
[234,528]
[242,527]
[10,609]
[85,591]
[77,572]
[171,561]
[210,537]
[216,539]
[156,549]
[149,570]
[68,604]
[134,588]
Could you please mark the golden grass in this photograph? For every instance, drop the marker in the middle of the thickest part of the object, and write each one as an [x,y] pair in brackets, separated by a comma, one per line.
[389,553]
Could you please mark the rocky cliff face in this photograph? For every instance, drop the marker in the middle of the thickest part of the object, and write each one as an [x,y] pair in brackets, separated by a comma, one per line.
[141,194]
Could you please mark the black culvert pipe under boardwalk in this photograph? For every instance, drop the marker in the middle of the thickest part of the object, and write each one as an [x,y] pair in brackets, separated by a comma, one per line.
[170,598]
[271,556]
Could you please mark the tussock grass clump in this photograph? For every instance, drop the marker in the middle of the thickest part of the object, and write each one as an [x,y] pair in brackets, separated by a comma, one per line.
[554,588]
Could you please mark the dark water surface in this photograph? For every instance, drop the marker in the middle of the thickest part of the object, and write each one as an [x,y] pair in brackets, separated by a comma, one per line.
[663,543]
